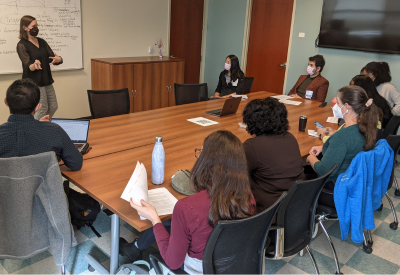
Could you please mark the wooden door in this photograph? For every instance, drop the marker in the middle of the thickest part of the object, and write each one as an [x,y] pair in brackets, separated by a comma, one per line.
[161,88]
[268,44]
[143,86]
[186,36]
[122,77]
[176,75]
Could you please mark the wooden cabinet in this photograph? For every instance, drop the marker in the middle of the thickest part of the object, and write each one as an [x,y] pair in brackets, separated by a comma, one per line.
[149,79]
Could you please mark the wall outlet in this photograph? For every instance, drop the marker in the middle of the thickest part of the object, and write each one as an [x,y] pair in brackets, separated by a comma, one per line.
[302,34]
[150,49]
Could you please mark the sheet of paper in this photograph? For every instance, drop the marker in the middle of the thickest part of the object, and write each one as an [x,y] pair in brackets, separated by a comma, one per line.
[163,201]
[332,119]
[202,121]
[244,97]
[282,96]
[137,185]
[290,102]
[242,125]
[313,133]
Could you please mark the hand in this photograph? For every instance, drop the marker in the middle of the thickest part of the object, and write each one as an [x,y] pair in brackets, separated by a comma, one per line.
[46,118]
[56,59]
[315,151]
[321,131]
[37,65]
[330,131]
[146,210]
[296,95]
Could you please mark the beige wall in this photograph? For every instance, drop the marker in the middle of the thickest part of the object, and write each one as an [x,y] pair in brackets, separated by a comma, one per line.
[111,28]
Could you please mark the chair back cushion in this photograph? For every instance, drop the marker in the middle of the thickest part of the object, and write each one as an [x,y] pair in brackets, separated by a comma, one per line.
[109,103]
[190,93]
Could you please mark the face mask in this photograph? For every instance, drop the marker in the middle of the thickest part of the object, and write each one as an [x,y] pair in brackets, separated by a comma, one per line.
[310,70]
[337,111]
[34,31]
[227,66]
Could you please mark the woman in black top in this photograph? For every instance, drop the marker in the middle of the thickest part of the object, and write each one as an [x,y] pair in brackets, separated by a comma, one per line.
[36,57]
[231,80]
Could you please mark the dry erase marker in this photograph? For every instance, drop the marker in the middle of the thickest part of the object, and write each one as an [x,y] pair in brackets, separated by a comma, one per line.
[38,64]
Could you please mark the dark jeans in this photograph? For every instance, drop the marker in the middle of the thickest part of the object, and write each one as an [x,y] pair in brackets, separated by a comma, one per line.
[148,238]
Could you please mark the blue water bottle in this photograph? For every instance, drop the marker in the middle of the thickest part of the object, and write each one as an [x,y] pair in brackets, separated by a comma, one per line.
[158,162]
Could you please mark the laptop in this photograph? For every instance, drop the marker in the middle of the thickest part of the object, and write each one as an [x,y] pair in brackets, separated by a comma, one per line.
[230,107]
[77,131]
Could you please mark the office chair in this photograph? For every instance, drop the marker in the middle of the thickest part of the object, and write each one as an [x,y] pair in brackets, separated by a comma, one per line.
[248,82]
[109,103]
[36,216]
[190,93]
[234,246]
[295,220]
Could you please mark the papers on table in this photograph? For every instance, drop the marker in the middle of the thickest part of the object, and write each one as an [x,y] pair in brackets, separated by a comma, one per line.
[291,102]
[202,121]
[282,96]
[137,189]
[313,133]
[244,97]
[242,125]
[332,120]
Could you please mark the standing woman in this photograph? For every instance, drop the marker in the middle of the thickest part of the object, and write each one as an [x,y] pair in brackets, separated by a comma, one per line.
[36,57]
[379,72]
[231,80]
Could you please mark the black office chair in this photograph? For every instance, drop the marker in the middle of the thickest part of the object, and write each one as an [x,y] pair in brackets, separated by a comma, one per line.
[109,103]
[248,82]
[392,127]
[296,218]
[394,142]
[190,93]
[235,246]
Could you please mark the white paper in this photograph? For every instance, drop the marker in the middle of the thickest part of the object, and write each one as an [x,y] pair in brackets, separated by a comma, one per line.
[332,119]
[313,133]
[290,102]
[242,125]
[244,97]
[137,188]
[162,200]
[202,121]
[282,96]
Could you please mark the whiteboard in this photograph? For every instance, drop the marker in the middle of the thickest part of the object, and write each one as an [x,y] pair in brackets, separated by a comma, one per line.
[59,23]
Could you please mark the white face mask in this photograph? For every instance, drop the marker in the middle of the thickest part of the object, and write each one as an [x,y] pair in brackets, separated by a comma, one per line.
[337,111]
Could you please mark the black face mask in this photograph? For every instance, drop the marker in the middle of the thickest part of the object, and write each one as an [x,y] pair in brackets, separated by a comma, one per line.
[34,31]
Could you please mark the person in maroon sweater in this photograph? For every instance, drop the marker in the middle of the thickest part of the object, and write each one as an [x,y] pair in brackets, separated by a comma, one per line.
[221,180]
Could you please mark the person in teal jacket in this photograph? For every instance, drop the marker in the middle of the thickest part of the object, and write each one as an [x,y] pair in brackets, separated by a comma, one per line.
[361,118]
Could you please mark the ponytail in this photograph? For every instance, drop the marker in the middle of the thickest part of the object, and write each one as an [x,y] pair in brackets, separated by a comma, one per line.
[380,70]
[368,113]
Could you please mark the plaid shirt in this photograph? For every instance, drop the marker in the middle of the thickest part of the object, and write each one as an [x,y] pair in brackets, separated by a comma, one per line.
[22,136]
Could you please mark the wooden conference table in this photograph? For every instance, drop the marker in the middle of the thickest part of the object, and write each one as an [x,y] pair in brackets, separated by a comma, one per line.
[119,142]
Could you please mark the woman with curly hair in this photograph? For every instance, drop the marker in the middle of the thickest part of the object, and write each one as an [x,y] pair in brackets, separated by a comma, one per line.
[273,154]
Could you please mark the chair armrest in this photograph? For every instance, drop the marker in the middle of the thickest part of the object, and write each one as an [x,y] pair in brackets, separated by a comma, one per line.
[156,259]
[275,227]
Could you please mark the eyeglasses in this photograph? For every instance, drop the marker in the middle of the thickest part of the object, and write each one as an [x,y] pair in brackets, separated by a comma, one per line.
[197,152]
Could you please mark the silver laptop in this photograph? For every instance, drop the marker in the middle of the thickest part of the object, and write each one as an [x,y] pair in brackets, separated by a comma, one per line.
[77,130]
[230,107]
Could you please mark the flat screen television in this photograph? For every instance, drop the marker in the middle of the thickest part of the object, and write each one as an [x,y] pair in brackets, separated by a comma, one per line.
[363,25]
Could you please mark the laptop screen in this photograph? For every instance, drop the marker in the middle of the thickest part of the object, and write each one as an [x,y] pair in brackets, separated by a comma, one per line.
[77,130]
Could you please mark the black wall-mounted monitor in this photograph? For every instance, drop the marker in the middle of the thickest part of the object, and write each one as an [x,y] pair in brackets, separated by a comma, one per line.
[364,25]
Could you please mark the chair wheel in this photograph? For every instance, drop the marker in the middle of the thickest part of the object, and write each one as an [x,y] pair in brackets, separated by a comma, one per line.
[380,208]
[90,268]
[397,192]
[367,249]
[394,225]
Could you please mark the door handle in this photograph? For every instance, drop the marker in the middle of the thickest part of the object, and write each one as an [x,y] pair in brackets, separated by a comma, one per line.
[172,56]
[133,93]
[167,89]
[170,88]
[283,65]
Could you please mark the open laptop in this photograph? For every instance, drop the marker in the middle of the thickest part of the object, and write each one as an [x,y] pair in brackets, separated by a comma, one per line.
[230,107]
[77,131]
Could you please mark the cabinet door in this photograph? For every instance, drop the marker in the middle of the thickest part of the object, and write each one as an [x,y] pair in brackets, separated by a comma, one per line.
[143,86]
[159,95]
[176,75]
[122,77]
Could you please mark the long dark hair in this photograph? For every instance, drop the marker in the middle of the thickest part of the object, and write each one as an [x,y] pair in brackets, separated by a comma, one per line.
[368,85]
[221,169]
[368,117]
[380,70]
[236,72]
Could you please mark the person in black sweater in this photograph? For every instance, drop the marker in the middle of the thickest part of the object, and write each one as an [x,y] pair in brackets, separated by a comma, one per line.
[273,154]
[231,80]
[22,135]
[368,85]
[36,57]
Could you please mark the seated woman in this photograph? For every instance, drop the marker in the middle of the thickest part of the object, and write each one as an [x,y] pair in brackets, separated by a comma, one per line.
[273,154]
[231,80]
[379,72]
[221,181]
[359,133]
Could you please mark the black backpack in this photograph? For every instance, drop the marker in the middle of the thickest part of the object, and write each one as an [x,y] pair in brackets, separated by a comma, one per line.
[83,210]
